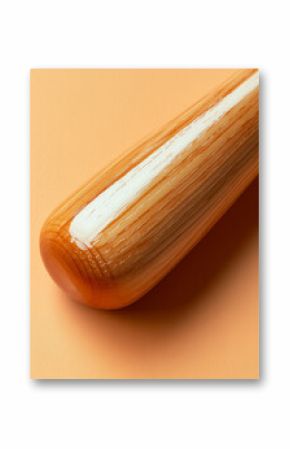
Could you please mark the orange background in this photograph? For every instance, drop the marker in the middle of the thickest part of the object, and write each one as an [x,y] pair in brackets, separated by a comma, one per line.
[201,321]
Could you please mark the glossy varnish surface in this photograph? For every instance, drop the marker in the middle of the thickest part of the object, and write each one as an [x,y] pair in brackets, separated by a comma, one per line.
[159,224]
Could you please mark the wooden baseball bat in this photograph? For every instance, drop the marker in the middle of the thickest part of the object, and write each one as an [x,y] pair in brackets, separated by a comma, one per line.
[115,238]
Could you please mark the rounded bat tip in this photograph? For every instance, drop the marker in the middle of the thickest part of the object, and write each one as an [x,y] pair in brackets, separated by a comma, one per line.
[68,266]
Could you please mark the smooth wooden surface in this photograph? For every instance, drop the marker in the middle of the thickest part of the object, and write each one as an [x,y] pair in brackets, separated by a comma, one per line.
[171,214]
[199,321]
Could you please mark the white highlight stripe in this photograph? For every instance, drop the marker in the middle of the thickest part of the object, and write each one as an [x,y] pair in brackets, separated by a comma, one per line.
[110,203]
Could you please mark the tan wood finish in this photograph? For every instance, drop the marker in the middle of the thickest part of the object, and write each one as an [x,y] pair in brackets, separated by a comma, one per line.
[148,236]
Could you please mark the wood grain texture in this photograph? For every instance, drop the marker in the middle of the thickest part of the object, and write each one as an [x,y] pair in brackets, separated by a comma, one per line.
[152,221]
